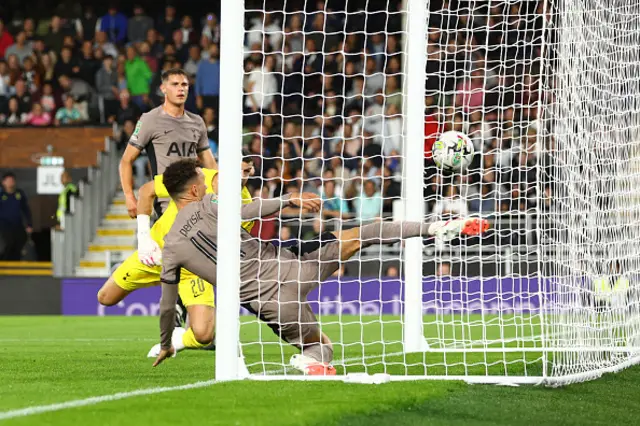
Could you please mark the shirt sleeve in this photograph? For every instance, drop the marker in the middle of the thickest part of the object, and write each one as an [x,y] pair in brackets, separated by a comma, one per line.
[170,267]
[262,208]
[143,133]
[160,189]
[203,142]
[167,313]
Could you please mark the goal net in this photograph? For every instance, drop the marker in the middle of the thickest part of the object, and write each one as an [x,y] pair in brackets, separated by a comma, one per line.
[345,99]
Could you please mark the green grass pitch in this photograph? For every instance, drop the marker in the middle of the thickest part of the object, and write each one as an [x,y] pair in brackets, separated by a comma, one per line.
[47,360]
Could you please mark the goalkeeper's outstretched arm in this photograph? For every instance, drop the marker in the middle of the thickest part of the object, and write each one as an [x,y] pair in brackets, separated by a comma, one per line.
[146,197]
[308,202]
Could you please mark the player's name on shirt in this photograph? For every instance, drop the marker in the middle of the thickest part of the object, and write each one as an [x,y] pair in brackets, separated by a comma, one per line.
[190,223]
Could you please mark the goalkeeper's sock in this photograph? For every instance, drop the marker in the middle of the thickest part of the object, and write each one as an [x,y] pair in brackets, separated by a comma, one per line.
[319,352]
[391,232]
[189,340]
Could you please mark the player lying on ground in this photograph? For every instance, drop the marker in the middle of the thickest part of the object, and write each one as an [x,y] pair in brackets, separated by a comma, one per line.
[142,268]
[274,283]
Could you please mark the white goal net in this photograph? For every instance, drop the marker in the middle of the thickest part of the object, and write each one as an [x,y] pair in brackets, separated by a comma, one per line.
[344,99]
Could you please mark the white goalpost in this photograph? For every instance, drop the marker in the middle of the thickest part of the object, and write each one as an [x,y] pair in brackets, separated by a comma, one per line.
[344,99]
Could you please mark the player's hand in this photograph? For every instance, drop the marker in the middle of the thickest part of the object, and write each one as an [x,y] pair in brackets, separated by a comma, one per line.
[149,252]
[307,201]
[132,205]
[164,354]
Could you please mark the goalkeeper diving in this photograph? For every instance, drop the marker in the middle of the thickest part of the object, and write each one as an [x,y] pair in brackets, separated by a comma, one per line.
[274,282]
[142,268]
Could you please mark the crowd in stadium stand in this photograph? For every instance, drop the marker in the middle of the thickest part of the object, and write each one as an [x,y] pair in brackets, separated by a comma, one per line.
[323,102]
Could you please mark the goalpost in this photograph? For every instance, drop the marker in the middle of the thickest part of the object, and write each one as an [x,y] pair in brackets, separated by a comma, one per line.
[345,100]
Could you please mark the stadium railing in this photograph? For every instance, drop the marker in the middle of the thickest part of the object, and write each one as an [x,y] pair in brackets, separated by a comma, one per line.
[80,224]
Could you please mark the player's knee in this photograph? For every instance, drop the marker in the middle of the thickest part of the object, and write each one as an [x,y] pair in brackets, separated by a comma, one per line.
[203,333]
[105,299]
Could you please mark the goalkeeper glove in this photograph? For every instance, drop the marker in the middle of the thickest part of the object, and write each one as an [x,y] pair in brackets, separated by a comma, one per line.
[149,252]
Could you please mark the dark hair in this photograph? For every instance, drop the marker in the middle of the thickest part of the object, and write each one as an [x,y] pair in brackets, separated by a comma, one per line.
[8,175]
[172,71]
[247,157]
[177,176]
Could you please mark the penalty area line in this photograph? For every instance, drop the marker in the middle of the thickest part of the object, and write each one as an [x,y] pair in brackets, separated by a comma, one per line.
[39,409]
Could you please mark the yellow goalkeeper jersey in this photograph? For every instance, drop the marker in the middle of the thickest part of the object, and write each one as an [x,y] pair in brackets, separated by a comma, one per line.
[164,223]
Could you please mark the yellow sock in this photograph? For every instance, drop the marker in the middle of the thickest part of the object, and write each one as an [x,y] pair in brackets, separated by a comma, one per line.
[189,340]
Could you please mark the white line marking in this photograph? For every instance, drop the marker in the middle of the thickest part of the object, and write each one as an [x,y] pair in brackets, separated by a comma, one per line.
[38,409]
[132,339]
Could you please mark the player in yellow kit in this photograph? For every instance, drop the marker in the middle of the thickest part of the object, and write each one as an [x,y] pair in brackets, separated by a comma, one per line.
[197,295]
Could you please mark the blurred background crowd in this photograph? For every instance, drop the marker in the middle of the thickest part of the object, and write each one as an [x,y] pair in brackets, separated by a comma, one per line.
[323,92]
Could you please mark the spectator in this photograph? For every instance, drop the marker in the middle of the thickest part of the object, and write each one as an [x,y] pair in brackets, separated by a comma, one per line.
[373,79]
[208,80]
[156,48]
[102,42]
[470,92]
[391,191]
[55,36]
[485,202]
[114,24]
[22,49]
[67,65]
[138,77]
[127,130]
[69,114]
[151,60]
[210,120]
[121,76]
[211,28]
[139,25]
[107,86]
[333,206]
[86,25]
[13,117]
[47,67]
[89,66]
[15,218]
[189,35]
[368,204]
[168,23]
[82,93]
[64,198]
[262,86]
[38,117]
[393,92]
[392,132]
[31,77]
[191,66]
[15,70]
[126,110]
[23,96]
[29,28]
[392,272]
[47,98]
[181,48]
[4,83]
[6,39]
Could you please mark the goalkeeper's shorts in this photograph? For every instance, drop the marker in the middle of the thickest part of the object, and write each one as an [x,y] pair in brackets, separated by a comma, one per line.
[132,275]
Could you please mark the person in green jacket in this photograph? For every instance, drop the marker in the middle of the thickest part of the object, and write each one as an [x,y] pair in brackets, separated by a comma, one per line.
[64,199]
[139,76]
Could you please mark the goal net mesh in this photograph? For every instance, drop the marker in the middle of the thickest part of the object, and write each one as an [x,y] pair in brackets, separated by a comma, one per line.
[548,93]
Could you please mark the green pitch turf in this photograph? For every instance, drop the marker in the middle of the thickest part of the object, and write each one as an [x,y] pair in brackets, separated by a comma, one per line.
[47,360]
